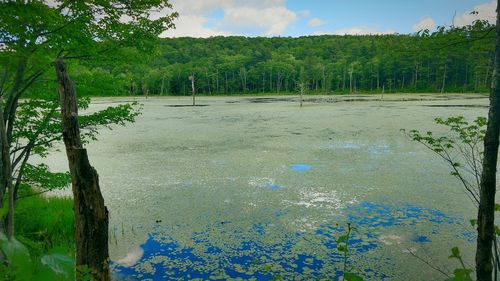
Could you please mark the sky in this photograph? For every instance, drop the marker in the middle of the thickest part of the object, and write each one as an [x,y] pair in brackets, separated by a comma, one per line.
[205,18]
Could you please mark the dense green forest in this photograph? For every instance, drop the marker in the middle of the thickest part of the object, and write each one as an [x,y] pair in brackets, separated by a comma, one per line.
[448,60]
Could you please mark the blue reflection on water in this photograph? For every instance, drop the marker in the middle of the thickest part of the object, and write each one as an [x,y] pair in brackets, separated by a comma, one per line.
[379,215]
[273,186]
[255,257]
[301,167]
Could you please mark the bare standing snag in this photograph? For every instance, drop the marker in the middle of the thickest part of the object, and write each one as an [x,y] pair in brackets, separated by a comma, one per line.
[91,215]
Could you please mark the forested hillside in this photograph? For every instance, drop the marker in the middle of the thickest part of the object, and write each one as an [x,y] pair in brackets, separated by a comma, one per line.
[449,60]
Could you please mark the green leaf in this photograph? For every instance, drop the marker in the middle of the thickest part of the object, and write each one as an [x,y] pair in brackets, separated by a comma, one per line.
[455,253]
[461,274]
[497,230]
[473,222]
[40,176]
[497,207]
[352,277]
[60,262]
[342,238]
[342,248]
[19,256]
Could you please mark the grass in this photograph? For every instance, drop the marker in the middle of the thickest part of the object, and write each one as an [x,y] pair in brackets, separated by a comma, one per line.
[44,223]
[43,247]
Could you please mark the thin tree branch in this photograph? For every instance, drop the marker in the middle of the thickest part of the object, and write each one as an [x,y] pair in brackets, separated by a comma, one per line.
[428,263]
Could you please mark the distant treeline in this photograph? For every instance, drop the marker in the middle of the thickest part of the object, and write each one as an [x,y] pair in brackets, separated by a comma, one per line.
[448,60]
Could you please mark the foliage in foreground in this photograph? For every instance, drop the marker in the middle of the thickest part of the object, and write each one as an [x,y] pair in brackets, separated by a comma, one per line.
[43,248]
[462,149]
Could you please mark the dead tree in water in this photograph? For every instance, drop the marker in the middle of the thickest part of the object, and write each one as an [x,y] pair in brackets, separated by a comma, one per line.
[191,77]
[91,215]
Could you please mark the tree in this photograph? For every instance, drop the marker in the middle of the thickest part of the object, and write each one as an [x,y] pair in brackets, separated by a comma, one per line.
[481,164]
[302,84]
[91,215]
[486,210]
[29,41]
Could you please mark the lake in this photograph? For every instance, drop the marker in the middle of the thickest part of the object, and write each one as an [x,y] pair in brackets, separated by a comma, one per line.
[259,188]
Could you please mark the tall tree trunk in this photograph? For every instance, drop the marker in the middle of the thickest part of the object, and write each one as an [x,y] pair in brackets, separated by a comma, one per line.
[271,80]
[217,80]
[378,80]
[466,77]
[487,74]
[343,77]
[350,81]
[9,114]
[486,211]
[263,82]
[162,84]
[278,82]
[302,88]
[208,82]
[91,215]
[416,76]
[323,85]
[6,176]
[444,78]
[226,90]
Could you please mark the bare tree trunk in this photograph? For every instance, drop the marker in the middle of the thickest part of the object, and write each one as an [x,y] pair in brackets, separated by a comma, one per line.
[486,211]
[6,176]
[192,88]
[91,215]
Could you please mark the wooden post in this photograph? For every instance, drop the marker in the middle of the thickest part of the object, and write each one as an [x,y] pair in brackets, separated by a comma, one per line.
[192,88]
[91,215]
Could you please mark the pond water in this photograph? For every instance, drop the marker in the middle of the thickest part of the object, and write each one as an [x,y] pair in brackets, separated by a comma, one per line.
[259,188]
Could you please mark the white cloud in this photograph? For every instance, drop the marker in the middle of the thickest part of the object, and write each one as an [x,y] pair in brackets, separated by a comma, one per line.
[424,23]
[359,30]
[484,11]
[196,7]
[192,26]
[271,20]
[315,22]
[305,13]
[269,17]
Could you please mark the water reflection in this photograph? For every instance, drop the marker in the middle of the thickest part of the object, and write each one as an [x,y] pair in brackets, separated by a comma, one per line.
[291,255]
